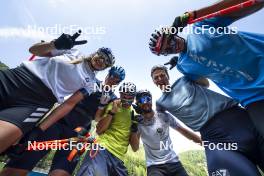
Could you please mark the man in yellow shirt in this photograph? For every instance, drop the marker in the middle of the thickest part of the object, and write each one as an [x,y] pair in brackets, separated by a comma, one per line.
[116,131]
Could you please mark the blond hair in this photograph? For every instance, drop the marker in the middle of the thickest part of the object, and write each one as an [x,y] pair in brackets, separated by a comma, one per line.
[82,59]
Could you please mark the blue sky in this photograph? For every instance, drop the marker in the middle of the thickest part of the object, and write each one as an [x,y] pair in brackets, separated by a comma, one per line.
[124,26]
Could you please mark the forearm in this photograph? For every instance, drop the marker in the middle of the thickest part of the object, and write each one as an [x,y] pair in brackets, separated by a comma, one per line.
[134,141]
[189,135]
[99,114]
[42,49]
[55,116]
[62,110]
[222,4]
[228,3]
[103,124]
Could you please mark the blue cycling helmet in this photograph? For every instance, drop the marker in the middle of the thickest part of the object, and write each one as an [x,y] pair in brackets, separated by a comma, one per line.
[118,72]
[107,55]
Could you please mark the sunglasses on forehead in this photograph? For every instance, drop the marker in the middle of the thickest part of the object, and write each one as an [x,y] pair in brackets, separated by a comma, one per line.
[145,99]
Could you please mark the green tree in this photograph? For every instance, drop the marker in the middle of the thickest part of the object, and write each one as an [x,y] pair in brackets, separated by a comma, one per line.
[3,66]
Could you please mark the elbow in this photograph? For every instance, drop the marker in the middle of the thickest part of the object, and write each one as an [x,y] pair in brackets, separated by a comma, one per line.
[205,83]
[135,148]
[99,131]
[32,50]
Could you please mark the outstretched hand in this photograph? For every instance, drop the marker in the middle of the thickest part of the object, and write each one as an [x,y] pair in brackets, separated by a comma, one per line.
[66,41]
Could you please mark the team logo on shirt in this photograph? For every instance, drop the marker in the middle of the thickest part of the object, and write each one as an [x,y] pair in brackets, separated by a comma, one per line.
[160,132]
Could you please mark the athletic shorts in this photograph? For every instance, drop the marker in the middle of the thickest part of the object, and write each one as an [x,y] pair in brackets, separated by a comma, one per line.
[29,159]
[104,163]
[24,99]
[232,144]
[168,169]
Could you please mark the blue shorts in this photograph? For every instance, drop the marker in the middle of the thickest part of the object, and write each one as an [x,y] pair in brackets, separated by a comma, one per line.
[233,145]
[104,164]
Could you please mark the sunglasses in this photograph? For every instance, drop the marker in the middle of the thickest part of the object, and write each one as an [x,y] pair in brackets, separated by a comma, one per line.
[104,57]
[145,99]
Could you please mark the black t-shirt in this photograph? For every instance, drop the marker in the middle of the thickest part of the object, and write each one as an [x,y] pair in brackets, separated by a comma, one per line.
[85,110]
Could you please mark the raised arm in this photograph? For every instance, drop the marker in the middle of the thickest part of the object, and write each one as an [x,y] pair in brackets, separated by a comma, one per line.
[189,134]
[184,131]
[134,141]
[107,117]
[104,124]
[61,110]
[42,49]
[64,42]
[228,3]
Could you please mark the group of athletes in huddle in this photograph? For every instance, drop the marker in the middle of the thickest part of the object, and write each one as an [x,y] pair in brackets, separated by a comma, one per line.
[234,62]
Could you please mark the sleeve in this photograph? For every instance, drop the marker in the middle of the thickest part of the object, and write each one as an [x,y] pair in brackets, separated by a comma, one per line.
[113,97]
[215,22]
[159,108]
[71,53]
[173,122]
[190,76]
[57,52]
[90,87]
[84,92]
[87,90]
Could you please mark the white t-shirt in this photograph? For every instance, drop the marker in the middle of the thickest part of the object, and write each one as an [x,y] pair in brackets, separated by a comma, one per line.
[156,139]
[62,77]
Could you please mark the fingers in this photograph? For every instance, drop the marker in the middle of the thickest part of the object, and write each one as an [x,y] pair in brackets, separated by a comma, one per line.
[81,42]
[167,63]
[76,35]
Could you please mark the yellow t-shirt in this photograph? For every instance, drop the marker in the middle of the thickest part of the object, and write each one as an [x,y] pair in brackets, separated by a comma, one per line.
[116,138]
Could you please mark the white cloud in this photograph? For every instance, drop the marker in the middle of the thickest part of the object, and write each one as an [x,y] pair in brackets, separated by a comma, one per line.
[16,32]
